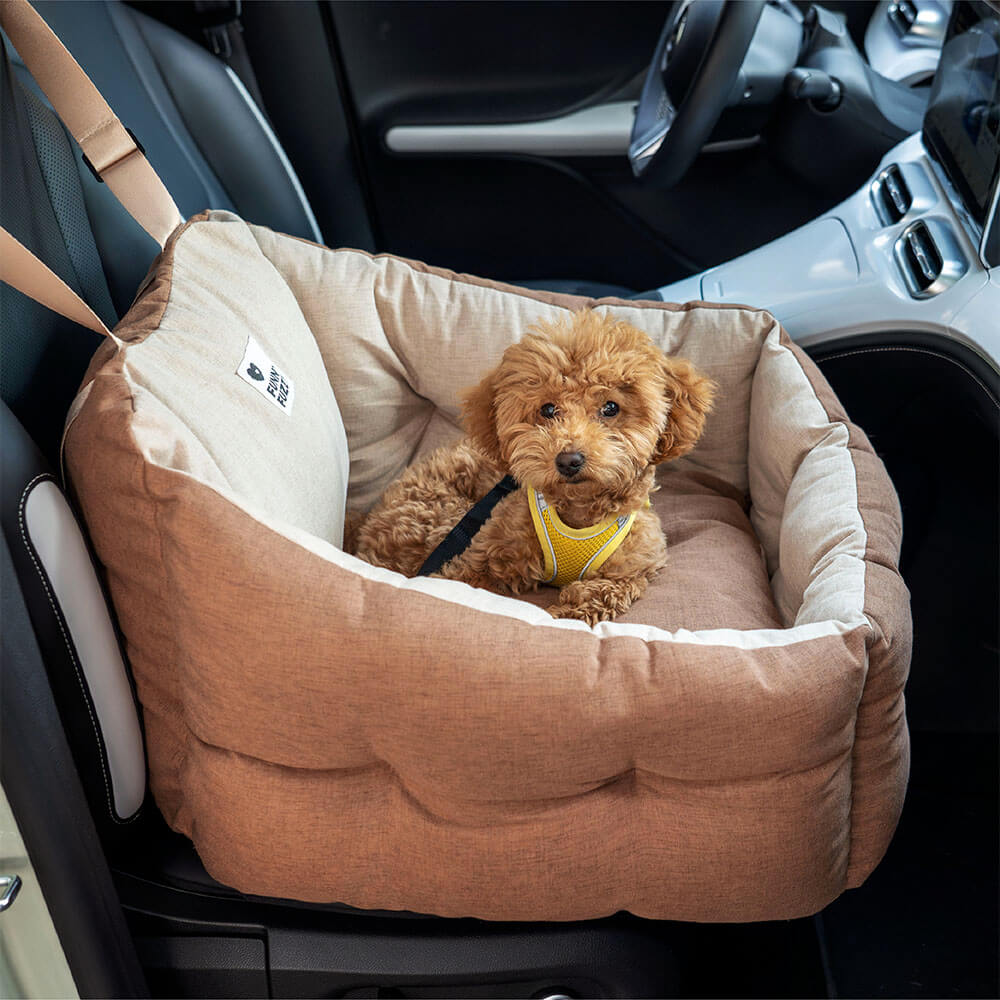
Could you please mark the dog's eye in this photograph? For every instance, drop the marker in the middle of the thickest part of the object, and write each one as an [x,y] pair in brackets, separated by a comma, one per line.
[609,409]
[548,410]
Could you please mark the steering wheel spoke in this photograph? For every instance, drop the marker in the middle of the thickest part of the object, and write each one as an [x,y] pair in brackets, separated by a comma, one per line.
[641,150]
[690,78]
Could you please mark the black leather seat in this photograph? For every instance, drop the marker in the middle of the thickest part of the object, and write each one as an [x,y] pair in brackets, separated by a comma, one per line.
[201,130]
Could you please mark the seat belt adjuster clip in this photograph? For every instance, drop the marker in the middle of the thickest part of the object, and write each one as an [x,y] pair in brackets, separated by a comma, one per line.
[139,148]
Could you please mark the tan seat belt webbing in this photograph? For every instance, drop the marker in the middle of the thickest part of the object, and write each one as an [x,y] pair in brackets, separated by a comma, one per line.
[106,143]
[22,270]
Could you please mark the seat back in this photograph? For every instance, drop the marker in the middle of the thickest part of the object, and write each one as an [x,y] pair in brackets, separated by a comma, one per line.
[203,135]
[213,147]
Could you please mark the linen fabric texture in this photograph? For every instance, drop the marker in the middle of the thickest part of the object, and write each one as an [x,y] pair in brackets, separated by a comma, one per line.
[733,749]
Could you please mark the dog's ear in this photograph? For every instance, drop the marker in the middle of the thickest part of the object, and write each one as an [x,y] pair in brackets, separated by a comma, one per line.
[479,417]
[690,394]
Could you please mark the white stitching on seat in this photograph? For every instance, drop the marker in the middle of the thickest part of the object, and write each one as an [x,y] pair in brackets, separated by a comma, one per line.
[911,350]
[71,649]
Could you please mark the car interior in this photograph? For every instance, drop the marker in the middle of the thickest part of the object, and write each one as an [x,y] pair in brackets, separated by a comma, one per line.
[837,164]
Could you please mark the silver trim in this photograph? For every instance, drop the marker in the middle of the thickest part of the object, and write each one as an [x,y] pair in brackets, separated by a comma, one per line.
[910,58]
[601,130]
[922,193]
[992,221]
[649,145]
[953,262]
[815,305]
[928,28]
[10,886]
[877,187]
[279,152]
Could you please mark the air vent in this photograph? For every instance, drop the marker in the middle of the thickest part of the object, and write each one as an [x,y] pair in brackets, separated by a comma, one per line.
[922,257]
[902,16]
[891,195]
[929,257]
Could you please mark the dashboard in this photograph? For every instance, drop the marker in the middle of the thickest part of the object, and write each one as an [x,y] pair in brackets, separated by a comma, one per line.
[916,248]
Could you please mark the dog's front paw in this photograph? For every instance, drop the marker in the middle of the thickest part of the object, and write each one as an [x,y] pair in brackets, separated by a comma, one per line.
[597,600]
[581,614]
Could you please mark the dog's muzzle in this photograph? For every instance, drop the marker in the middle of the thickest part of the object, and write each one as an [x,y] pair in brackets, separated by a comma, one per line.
[569,463]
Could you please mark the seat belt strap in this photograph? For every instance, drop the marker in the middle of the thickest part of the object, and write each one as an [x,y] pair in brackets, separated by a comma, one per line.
[460,537]
[108,147]
[22,270]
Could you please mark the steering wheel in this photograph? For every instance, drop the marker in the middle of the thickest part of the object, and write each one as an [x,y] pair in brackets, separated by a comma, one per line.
[688,84]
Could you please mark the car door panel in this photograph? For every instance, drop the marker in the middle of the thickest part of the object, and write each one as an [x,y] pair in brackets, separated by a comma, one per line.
[492,203]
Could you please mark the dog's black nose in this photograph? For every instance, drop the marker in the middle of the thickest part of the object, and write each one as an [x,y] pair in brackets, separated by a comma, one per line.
[569,463]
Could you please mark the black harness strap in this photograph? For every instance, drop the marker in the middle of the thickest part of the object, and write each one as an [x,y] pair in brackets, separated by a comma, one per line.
[460,537]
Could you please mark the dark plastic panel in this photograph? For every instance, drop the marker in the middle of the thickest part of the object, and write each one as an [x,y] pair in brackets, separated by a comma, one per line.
[474,960]
[516,219]
[490,61]
[929,406]
[315,951]
[501,217]
[925,924]
[204,966]
[318,951]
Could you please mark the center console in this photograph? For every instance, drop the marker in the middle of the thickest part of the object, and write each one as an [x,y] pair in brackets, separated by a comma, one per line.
[913,249]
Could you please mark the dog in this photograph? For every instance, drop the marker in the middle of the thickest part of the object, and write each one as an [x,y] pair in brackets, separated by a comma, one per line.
[579,412]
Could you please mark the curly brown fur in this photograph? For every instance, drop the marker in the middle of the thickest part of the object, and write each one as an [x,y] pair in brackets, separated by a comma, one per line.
[548,397]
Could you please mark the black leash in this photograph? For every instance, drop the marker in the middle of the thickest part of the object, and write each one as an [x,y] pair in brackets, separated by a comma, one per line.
[460,537]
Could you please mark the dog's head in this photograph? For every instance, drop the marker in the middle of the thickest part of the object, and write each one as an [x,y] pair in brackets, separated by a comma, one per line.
[582,408]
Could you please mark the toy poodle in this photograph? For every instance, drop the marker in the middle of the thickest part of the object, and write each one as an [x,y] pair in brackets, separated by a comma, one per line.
[577,416]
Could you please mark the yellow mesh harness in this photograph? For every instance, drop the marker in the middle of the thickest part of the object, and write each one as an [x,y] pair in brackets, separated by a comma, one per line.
[573,553]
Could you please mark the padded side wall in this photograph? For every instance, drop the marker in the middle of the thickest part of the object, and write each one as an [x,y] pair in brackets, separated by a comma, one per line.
[207,404]
[804,494]
[882,743]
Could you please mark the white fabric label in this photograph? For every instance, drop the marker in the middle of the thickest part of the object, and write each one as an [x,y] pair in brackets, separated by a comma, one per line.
[258,370]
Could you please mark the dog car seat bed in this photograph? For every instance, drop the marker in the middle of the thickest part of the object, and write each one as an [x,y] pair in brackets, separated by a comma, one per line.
[329,731]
